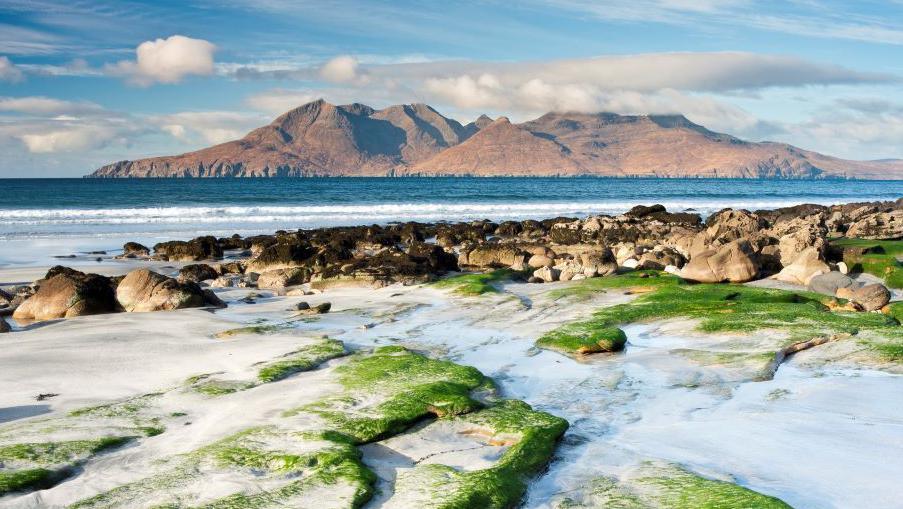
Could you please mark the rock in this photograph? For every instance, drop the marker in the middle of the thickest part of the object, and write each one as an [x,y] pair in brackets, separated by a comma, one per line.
[659,258]
[66,293]
[731,262]
[301,306]
[534,279]
[197,272]
[830,282]
[728,225]
[134,249]
[671,269]
[806,266]
[201,248]
[4,327]
[631,263]
[438,259]
[598,263]
[297,292]
[143,290]
[878,226]
[843,268]
[280,278]
[294,251]
[319,309]
[5,299]
[491,256]
[225,281]
[540,260]
[230,268]
[871,297]
[547,274]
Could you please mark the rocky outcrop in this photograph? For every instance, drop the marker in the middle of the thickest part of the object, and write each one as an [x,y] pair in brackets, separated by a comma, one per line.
[322,139]
[134,250]
[197,272]
[881,225]
[201,248]
[67,293]
[143,290]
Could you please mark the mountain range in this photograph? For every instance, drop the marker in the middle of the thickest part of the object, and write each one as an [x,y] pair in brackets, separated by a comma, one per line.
[322,139]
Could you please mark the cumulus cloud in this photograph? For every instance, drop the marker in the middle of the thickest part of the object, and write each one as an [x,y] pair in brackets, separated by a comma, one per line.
[46,106]
[167,60]
[70,139]
[278,101]
[341,69]
[9,72]
[210,127]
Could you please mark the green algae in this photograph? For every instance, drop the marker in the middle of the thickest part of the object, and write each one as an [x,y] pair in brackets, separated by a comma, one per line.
[640,280]
[476,284]
[726,308]
[303,359]
[391,388]
[253,329]
[668,487]
[577,339]
[882,261]
[23,480]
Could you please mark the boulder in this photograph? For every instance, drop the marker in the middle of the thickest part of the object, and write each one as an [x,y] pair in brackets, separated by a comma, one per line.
[293,251]
[540,260]
[491,256]
[659,258]
[4,327]
[231,268]
[143,290]
[598,263]
[546,274]
[830,282]
[134,249]
[280,278]
[197,272]
[201,248]
[438,259]
[807,265]
[881,225]
[5,299]
[66,293]
[871,297]
[319,309]
[733,262]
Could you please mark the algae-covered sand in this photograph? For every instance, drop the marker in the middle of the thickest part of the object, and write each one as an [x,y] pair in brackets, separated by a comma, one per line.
[468,393]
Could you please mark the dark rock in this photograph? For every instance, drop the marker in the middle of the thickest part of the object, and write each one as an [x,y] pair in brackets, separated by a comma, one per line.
[871,297]
[197,272]
[201,248]
[829,283]
[134,249]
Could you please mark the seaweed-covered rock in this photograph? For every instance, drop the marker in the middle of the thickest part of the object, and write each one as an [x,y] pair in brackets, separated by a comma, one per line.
[134,249]
[437,258]
[201,248]
[733,262]
[197,272]
[66,293]
[288,251]
[143,290]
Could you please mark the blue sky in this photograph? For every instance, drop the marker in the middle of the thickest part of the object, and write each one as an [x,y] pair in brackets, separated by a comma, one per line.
[83,83]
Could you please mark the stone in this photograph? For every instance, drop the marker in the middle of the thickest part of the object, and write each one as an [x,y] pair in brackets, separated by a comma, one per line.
[830,282]
[201,248]
[4,327]
[878,226]
[659,258]
[67,293]
[301,306]
[598,263]
[546,274]
[843,268]
[631,263]
[143,290]
[534,279]
[540,260]
[134,250]
[732,262]
[319,309]
[491,256]
[197,272]
[806,266]
[280,278]
[871,297]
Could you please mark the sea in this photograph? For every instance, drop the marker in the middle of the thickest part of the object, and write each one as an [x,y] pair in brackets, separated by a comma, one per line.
[41,218]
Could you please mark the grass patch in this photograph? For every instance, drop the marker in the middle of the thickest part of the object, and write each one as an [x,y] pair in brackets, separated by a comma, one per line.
[722,308]
[641,280]
[24,480]
[882,262]
[473,285]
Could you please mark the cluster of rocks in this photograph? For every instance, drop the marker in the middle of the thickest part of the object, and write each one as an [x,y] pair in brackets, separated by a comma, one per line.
[66,293]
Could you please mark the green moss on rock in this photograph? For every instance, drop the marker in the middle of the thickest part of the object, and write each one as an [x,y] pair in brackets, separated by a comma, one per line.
[476,284]
[304,359]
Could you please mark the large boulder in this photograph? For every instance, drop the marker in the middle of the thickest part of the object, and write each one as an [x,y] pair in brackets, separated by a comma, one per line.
[134,249]
[280,278]
[598,263]
[197,272]
[492,256]
[66,293]
[734,262]
[829,283]
[728,225]
[437,258]
[201,248]
[871,297]
[143,290]
[807,265]
[287,252]
[882,225]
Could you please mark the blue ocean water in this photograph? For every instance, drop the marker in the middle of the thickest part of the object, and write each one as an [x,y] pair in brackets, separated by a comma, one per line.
[181,208]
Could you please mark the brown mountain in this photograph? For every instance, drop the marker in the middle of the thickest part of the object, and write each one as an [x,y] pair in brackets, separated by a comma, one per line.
[320,139]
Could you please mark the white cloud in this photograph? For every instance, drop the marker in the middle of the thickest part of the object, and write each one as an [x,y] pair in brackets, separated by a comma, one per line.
[167,60]
[9,72]
[341,69]
[208,127]
[46,106]
[278,101]
[70,139]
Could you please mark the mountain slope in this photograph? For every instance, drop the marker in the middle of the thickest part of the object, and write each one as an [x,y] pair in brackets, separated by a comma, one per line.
[321,139]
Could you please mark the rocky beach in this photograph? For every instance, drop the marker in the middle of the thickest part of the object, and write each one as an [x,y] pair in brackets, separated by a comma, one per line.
[647,359]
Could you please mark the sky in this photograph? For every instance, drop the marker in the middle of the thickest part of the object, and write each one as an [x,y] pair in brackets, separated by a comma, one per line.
[85,83]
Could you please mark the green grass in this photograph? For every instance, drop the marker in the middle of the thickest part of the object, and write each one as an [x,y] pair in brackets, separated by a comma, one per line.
[721,308]
[883,264]
[476,284]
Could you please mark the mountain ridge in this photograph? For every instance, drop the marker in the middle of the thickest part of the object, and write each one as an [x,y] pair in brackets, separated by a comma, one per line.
[322,139]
